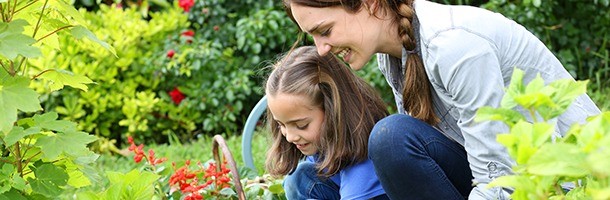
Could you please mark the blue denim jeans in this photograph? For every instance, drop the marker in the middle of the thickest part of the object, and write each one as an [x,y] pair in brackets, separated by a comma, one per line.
[304,183]
[415,161]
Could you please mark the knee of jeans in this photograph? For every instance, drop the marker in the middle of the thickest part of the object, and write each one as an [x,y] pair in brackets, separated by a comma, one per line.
[302,175]
[391,131]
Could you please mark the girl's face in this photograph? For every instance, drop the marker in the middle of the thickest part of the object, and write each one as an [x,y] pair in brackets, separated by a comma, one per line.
[299,121]
[354,37]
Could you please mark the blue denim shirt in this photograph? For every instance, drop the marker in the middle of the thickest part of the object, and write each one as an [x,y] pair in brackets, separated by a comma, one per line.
[469,55]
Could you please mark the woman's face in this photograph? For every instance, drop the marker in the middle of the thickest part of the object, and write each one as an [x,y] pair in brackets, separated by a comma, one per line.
[299,121]
[354,37]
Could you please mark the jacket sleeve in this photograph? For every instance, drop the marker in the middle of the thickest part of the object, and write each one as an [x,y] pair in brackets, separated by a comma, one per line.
[464,69]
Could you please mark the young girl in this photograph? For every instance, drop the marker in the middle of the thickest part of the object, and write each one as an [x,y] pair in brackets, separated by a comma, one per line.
[321,115]
[443,63]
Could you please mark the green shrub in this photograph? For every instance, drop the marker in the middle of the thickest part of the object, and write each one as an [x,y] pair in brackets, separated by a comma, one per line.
[124,98]
[544,162]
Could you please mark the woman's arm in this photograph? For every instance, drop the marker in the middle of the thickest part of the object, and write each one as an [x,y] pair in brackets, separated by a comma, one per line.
[464,68]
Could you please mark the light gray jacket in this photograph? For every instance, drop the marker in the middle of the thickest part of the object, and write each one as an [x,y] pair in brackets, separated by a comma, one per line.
[469,55]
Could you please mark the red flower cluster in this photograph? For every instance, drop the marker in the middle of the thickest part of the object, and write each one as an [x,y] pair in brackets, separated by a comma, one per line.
[186,4]
[140,153]
[187,181]
[176,95]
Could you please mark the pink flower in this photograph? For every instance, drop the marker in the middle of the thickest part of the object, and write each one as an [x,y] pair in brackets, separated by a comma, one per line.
[177,95]
[186,4]
[171,53]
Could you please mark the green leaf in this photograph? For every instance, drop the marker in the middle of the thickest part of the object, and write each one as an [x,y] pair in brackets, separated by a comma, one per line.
[15,95]
[60,77]
[49,180]
[508,116]
[18,183]
[276,189]
[558,159]
[88,195]
[537,3]
[12,195]
[72,143]
[567,90]
[13,42]
[17,133]
[49,121]
[515,88]
[5,177]
[69,10]
[80,31]
[133,185]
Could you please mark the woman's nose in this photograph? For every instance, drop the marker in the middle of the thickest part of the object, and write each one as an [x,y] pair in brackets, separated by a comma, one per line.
[322,46]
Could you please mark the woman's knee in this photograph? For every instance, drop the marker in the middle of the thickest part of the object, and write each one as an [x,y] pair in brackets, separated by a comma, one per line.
[388,129]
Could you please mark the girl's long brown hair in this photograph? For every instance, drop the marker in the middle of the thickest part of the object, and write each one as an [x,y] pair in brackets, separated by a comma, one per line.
[351,109]
[417,92]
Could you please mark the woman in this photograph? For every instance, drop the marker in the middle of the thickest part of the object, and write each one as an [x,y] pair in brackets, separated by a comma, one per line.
[321,115]
[443,63]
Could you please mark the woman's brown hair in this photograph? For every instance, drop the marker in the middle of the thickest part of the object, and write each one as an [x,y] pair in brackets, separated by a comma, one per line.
[417,92]
[351,109]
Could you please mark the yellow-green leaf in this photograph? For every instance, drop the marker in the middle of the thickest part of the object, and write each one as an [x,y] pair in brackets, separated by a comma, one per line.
[80,31]
[71,143]
[61,77]
[13,42]
[15,95]
[558,159]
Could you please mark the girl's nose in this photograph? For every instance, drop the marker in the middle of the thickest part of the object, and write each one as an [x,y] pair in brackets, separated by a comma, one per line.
[290,137]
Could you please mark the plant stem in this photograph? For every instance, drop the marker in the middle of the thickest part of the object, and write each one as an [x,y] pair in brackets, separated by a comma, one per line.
[35,30]
[18,159]
[3,67]
[27,5]
[30,158]
[55,31]
[13,11]
[2,13]
[40,74]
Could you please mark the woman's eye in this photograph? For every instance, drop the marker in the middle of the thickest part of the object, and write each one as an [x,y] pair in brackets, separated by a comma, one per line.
[325,33]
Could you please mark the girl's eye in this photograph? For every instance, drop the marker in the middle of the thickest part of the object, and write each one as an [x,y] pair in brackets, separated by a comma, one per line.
[302,127]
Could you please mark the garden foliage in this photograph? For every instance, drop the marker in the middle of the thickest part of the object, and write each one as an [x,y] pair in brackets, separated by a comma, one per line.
[41,154]
[198,75]
[548,166]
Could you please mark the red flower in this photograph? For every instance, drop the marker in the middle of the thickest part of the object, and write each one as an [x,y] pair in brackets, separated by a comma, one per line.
[177,95]
[186,4]
[171,53]
[188,33]
[188,36]
[216,28]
